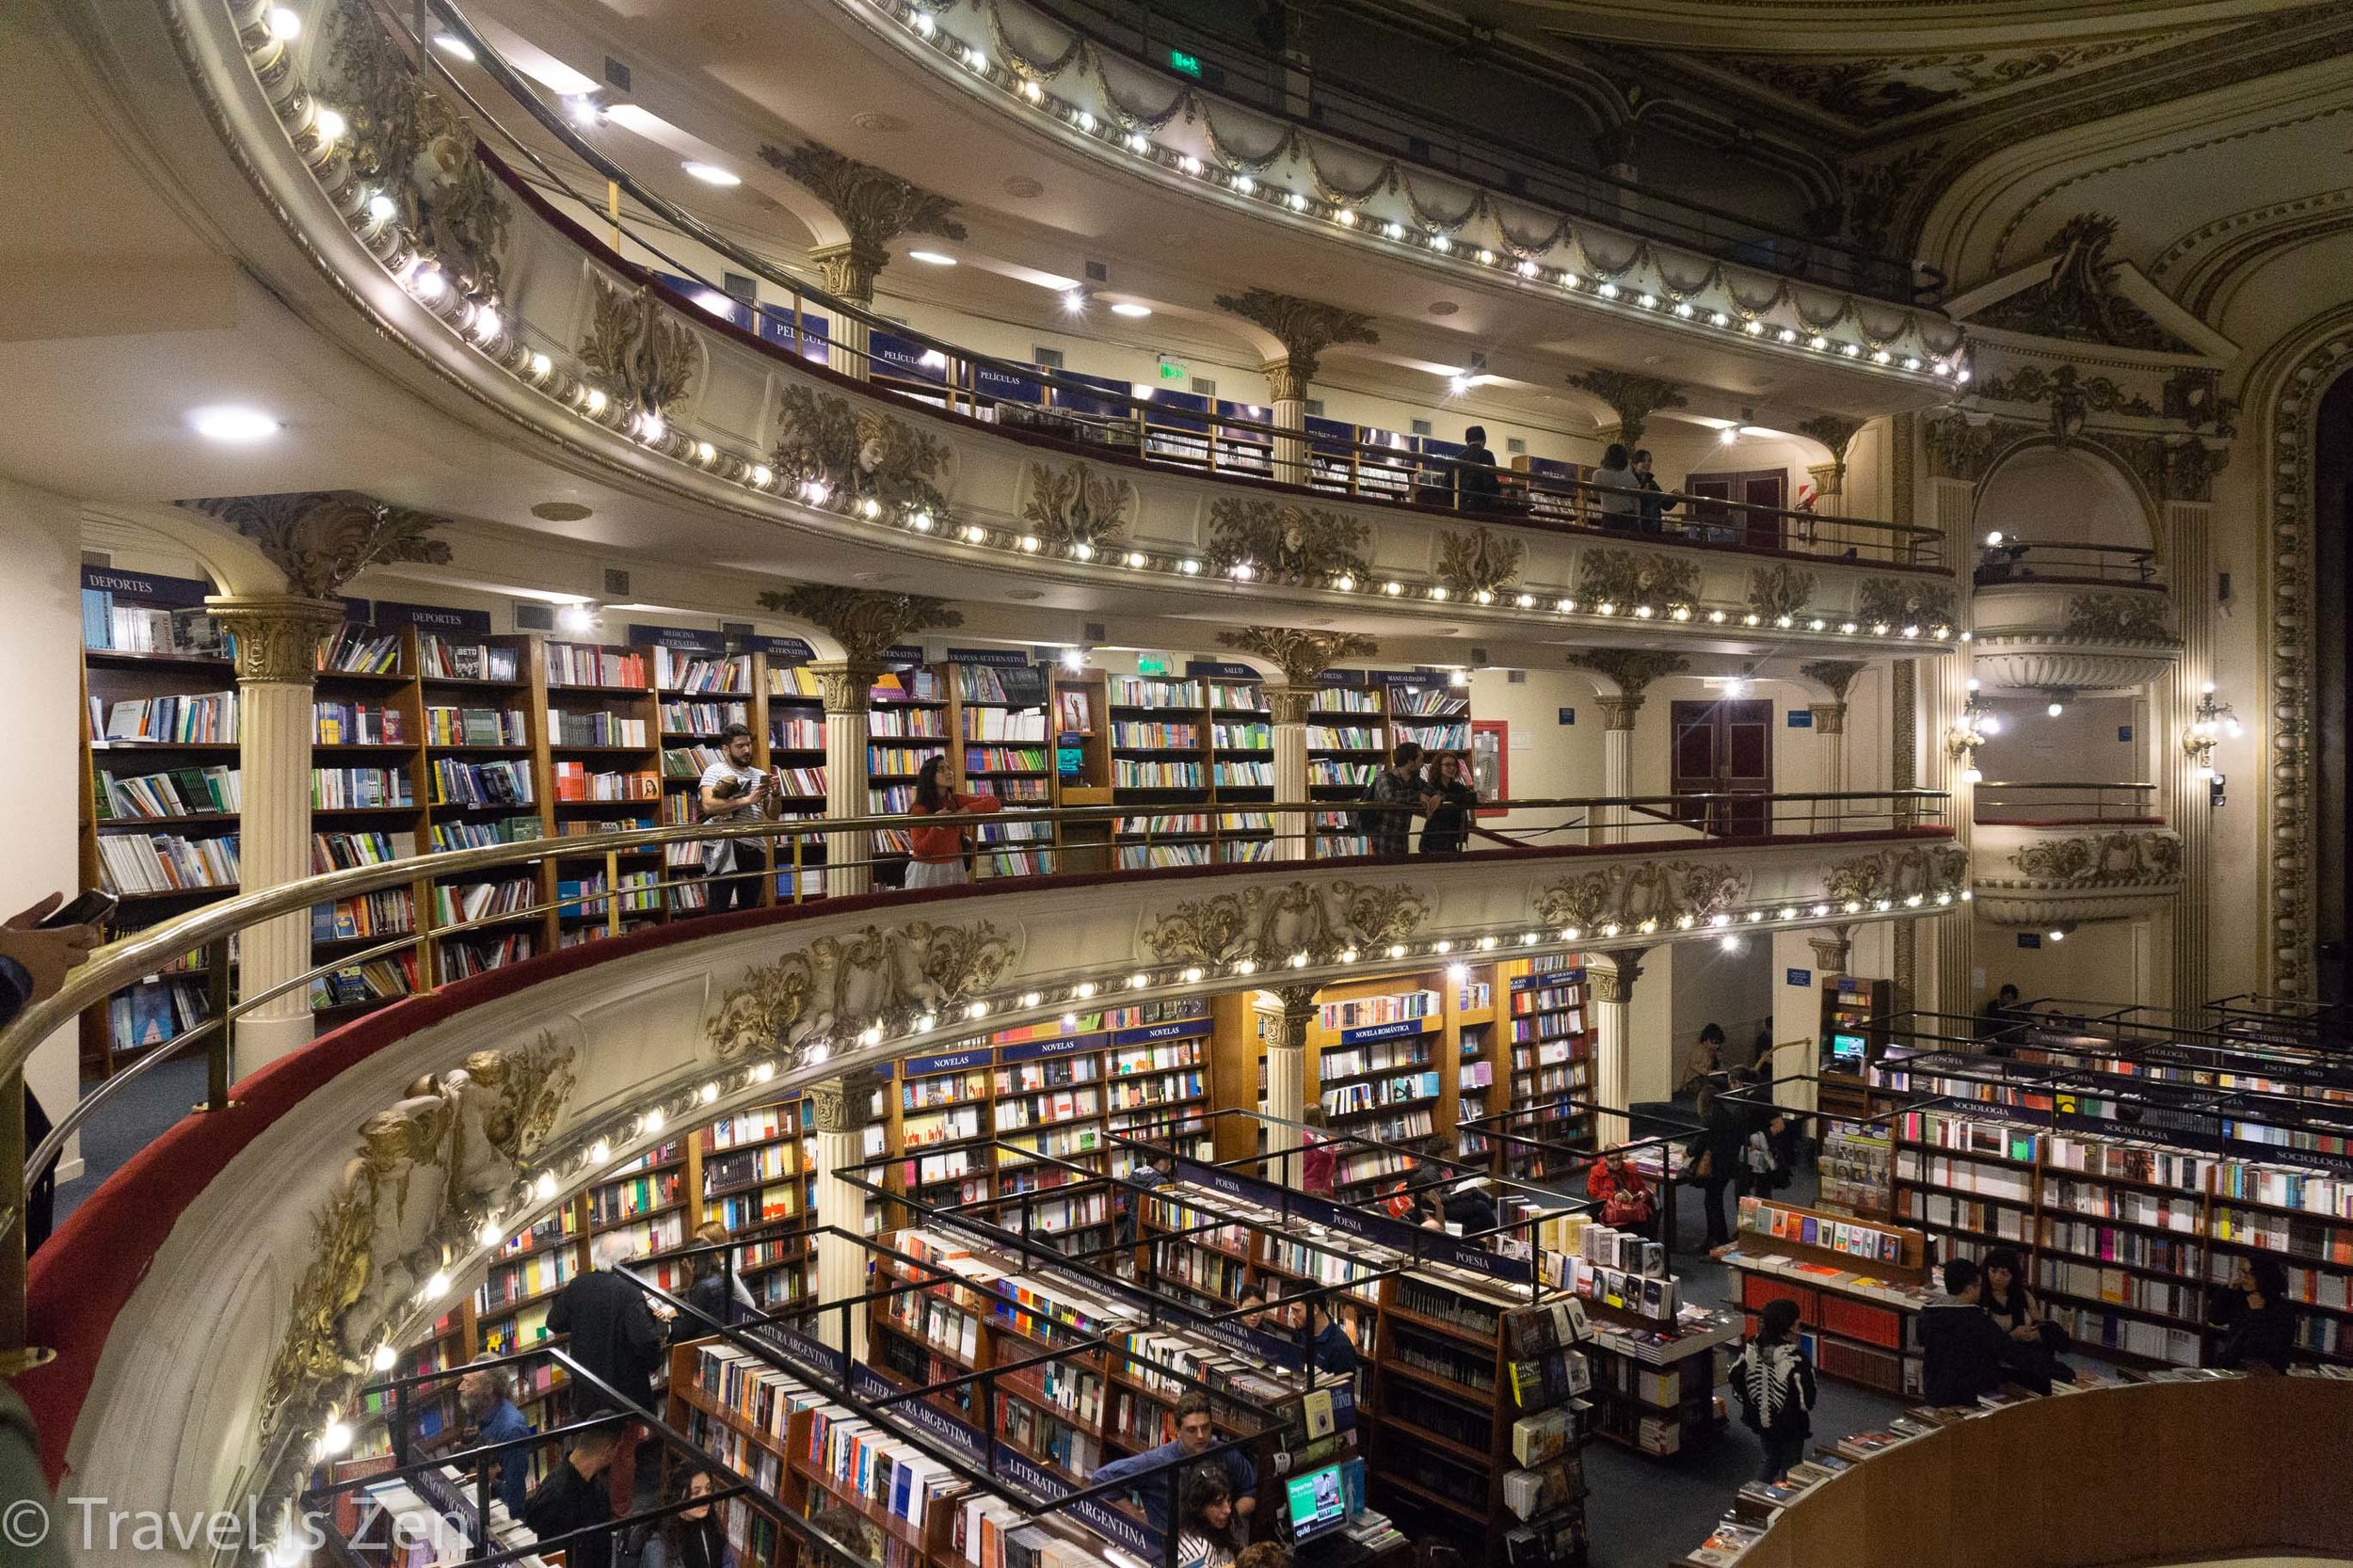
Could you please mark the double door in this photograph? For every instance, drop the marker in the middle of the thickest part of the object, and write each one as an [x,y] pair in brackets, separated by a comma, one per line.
[1725,748]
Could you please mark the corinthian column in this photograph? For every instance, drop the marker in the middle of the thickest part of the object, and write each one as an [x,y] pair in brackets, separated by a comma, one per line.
[277,639]
[1612,977]
[1305,328]
[874,207]
[841,1107]
[1830,729]
[844,684]
[1288,707]
[1630,670]
[1302,656]
[1287,1086]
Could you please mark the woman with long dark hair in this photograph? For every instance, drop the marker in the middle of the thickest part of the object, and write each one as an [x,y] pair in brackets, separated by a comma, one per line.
[938,860]
[1204,1519]
[1448,828]
[692,1538]
[2255,1317]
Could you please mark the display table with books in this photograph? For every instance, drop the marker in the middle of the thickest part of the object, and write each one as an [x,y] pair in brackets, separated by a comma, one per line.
[1858,1285]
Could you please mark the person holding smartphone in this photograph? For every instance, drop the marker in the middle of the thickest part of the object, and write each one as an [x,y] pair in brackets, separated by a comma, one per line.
[734,790]
[38,948]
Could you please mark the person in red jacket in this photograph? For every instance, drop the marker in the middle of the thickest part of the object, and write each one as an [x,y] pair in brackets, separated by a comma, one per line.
[939,851]
[1319,1156]
[1623,1192]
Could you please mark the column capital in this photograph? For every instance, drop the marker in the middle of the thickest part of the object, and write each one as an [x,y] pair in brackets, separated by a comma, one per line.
[1833,949]
[1287,703]
[322,540]
[844,684]
[1615,983]
[1633,398]
[875,206]
[278,634]
[1303,655]
[1304,327]
[1287,377]
[1829,479]
[866,622]
[1830,719]
[1299,1010]
[843,1104]
[1631,670]
[850,269]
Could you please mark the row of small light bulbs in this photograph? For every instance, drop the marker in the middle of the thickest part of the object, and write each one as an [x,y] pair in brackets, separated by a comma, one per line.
[1339,213]
[596,1153]
[377,214]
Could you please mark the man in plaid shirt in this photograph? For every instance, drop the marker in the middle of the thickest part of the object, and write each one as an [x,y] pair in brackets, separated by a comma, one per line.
[1398,787]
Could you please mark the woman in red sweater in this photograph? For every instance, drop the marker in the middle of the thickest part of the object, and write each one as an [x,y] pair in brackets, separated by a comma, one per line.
[1623,1192]
[939,851]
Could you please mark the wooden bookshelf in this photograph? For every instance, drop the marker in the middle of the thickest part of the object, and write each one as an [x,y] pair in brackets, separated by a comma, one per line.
[1159,732]
[999,718]
[1859,1310]
[1348,744]
[1550,1027]
[2124,1238]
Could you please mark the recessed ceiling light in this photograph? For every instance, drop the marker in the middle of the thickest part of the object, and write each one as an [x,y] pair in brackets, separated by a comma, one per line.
[455,47]
[228,423]
[931,258]
[1130,309]
[712,174]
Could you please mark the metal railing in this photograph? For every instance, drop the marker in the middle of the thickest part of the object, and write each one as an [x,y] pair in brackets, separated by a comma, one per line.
[1094,415]
[1335,105]
[2005,560]
[2064,804]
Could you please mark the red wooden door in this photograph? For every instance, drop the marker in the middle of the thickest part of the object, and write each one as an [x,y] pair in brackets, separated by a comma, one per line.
[1725,748]
[1756,488]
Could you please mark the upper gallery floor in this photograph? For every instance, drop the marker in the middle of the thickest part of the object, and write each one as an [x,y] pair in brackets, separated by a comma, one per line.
[564,381]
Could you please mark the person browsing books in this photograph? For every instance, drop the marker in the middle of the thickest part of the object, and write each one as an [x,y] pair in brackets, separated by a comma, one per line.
[2257,1322]
[2035,1341]
[1623,1192]
[1318,1160]
[939,850]
[577,1495]
[1329,1348]
[1963,1351]
[1774,1381]
[734,790]
[1155,1470]
[1204,1519]
[487,1393]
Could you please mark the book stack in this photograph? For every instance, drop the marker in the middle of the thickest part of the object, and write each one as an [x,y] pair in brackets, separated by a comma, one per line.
[208,718]
[165,862]
[439,659]
[364,724]
[181,792]
[474,726]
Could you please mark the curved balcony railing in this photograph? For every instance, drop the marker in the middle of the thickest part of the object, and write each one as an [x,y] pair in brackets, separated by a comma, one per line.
[1315,97]
[1116,419]
[740,421]
[1282,834]
[2065,804]
[1408,208]
[2005,560]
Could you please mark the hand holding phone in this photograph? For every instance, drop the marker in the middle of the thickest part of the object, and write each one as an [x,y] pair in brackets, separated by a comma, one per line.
[45,950]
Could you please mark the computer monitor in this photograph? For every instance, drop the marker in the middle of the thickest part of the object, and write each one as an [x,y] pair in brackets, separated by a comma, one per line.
[1846,1051]
[1317,1502]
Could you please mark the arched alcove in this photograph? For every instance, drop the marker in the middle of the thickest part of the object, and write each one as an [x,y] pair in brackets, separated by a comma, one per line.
[2055,494]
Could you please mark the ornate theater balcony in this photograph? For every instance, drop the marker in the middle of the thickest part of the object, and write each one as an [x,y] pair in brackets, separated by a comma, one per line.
[766,411]
[2083,618]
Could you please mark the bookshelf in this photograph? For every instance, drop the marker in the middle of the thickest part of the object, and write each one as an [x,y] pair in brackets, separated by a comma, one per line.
[1551,1025]
[699,689]
[1241,765]
[1160,765]
[906,725]
[1858,1287]
[1468,1373]
[1348,743]
[998,716]
[2123,1238]
[1853,1035]
[602,744]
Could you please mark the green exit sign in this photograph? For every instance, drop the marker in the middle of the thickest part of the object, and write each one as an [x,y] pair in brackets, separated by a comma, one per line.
[1189,64]
[1172,370]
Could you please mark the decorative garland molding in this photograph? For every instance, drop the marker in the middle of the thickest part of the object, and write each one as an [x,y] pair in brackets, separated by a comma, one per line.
[2288,388]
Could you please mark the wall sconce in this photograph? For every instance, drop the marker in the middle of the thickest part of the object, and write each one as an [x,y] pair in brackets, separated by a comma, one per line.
[2208,724]
[1971,731]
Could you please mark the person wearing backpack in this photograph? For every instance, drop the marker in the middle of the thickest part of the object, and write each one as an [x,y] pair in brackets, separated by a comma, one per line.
[1774,1383]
